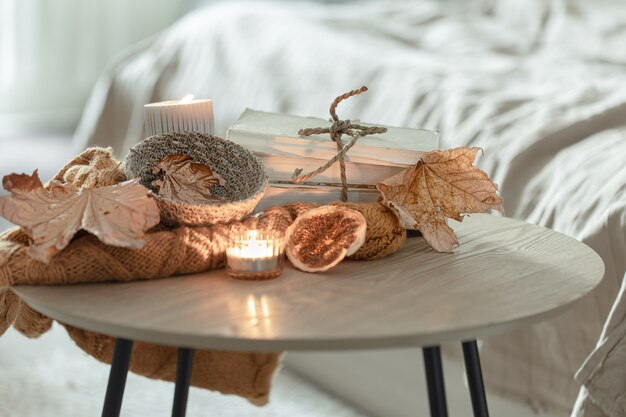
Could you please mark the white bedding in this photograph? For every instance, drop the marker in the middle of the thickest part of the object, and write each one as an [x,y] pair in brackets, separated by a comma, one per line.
[539,85]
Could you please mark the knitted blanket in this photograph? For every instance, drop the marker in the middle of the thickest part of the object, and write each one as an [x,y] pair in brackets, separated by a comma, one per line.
[167,252]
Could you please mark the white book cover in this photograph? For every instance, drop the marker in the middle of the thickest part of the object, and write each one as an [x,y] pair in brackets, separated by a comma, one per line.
[279,195]
[280,169]
[277,134]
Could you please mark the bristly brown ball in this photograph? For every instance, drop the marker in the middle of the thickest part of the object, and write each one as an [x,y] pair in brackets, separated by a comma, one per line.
[384,233]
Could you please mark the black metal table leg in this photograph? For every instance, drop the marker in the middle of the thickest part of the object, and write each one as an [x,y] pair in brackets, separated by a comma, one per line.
[434,380]
[183,379]
[475,379]
[117,378]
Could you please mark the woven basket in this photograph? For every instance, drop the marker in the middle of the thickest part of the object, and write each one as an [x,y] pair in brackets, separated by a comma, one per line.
[244,174]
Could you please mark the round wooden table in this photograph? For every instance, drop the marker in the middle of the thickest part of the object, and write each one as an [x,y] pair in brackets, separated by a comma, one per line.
[505,274]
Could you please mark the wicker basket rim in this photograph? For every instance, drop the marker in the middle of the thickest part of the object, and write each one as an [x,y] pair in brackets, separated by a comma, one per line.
[209,204]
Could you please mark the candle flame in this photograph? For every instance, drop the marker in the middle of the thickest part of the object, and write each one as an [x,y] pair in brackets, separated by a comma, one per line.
[186,99]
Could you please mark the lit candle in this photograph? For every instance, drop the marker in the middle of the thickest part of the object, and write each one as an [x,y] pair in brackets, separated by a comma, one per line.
[186,114]
[255,255]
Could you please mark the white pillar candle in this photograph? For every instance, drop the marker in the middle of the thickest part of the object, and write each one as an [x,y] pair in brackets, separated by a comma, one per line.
[186,114]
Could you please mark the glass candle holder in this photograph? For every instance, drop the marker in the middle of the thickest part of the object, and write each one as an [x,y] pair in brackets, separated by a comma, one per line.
[255,255]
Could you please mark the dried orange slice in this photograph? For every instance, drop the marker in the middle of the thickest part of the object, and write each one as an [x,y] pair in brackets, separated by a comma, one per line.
[320,238]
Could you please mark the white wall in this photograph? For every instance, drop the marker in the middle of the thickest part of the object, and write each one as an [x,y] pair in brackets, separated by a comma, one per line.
[52,51]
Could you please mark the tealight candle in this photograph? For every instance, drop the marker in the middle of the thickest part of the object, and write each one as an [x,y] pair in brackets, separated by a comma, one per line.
[255,255]
[186,114]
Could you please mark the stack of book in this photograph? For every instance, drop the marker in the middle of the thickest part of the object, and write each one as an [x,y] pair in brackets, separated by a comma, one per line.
[273,137]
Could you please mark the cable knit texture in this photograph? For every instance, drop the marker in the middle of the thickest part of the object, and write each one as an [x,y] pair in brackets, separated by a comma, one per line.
[167,252]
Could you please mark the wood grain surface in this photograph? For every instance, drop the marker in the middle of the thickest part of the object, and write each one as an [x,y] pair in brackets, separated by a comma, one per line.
[505,273]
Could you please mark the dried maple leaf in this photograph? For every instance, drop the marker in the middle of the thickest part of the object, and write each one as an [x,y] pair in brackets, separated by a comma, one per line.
[443,184]
[118,214]
[184,180]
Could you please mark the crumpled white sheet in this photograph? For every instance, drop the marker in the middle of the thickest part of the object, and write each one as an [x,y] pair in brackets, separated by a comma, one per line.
[581,191]
[539,85]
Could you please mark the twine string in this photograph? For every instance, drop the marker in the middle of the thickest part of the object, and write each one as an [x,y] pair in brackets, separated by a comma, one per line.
[336,130]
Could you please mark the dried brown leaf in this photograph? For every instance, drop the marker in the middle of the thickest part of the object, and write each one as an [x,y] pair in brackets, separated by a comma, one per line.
[118,214]
[183,180]
[442,185]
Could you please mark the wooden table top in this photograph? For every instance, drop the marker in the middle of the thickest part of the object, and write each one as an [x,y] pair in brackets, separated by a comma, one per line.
[505,274]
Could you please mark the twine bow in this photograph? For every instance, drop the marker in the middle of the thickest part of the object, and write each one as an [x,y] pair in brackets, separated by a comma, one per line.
[336,129]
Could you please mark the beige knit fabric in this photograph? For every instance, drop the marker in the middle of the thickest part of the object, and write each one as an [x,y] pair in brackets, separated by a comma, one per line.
[246,374]
[167,252]
[384,234]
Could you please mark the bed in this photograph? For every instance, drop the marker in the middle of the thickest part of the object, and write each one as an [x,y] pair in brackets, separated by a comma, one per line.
[540,86]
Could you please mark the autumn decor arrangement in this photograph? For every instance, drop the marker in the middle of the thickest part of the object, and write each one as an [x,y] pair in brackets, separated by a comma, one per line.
[184,202]
[440,185]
